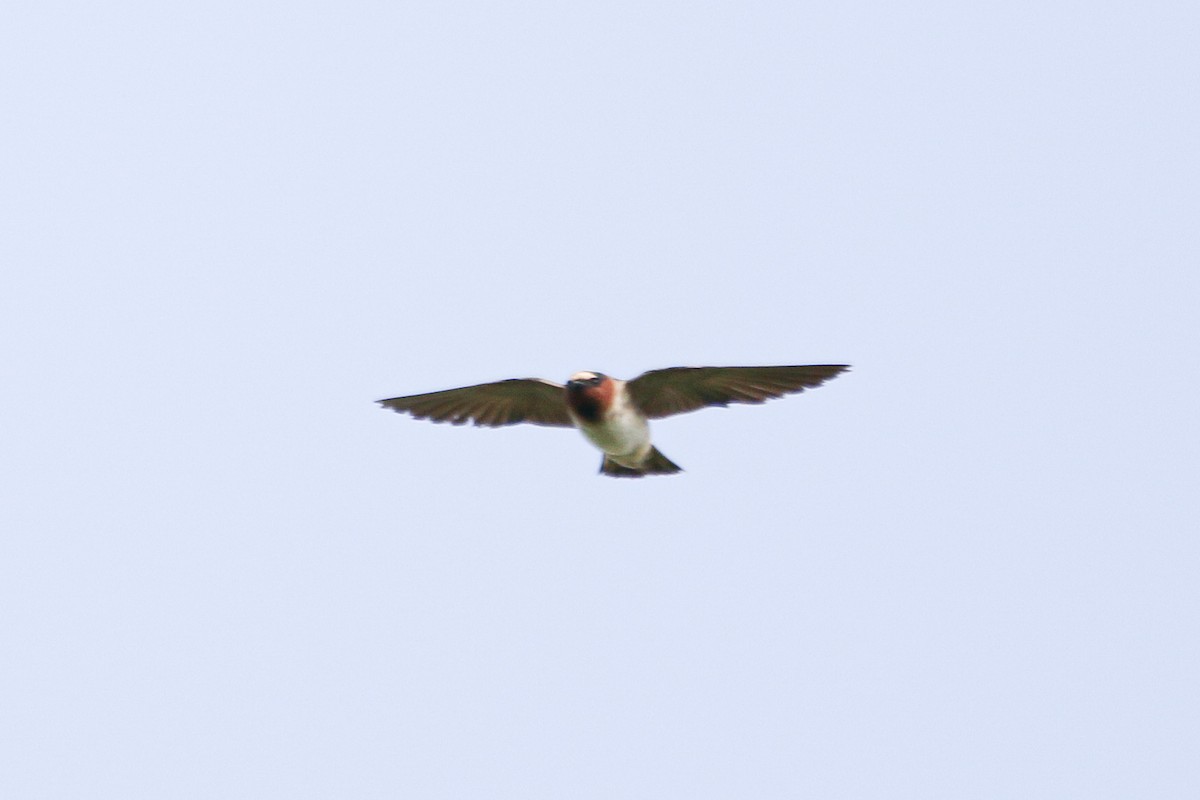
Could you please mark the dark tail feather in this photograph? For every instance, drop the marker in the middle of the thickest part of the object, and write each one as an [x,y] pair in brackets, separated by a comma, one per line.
[658,464]
[655,464]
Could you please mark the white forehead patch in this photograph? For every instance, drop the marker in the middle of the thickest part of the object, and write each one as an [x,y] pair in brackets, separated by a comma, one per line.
[583,376]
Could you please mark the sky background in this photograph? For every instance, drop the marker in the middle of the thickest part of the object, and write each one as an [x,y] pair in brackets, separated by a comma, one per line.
[966,569]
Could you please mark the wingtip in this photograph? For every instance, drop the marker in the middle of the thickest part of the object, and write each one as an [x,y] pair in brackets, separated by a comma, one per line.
[386,405]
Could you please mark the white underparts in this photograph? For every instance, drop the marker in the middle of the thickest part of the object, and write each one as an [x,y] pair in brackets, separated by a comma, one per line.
[622,433]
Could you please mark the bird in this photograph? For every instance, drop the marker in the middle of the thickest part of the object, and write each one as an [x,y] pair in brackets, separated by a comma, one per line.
[613,414]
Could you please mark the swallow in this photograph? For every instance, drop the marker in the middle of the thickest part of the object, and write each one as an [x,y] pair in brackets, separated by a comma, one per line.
[613,414]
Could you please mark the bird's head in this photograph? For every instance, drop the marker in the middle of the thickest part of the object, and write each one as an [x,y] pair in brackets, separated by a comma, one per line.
[589,395]
[581,381]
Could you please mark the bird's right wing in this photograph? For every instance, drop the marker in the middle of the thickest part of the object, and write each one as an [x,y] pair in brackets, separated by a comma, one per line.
[508,402]
[677,390]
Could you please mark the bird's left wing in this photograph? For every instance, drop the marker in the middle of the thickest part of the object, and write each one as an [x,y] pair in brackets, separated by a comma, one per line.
[663,392]
[508,402]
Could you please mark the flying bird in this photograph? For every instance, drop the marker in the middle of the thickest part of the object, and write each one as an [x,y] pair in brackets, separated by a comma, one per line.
[613,414]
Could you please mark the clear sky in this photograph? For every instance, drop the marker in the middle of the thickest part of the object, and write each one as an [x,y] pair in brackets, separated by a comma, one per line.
[966,569]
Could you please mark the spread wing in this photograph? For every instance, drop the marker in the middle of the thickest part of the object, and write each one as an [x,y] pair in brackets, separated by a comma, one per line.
[663,392]
[532,400]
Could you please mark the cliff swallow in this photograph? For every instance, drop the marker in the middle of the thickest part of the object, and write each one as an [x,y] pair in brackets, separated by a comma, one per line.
[613,414]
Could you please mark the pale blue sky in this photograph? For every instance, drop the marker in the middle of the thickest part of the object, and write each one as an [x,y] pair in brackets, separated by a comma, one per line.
[967,569]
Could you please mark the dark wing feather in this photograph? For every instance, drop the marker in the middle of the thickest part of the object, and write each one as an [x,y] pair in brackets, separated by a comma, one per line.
[532,400]
[677,390]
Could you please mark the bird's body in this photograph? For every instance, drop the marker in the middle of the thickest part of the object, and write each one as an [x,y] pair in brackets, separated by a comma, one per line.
[613,414]
[600,407]
[608,418]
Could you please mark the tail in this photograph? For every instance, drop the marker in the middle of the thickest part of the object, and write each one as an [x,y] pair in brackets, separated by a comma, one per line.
[655,464]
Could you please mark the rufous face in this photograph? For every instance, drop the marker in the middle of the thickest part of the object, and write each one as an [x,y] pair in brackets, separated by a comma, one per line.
[589,395]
